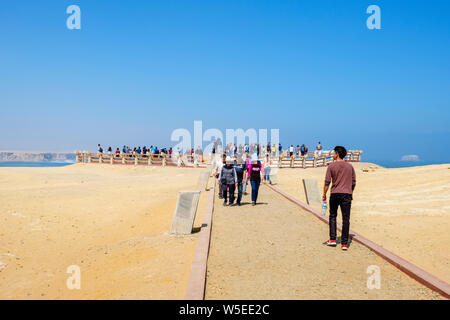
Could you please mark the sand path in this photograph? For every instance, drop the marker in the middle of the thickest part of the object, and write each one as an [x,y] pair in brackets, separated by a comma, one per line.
[275,251]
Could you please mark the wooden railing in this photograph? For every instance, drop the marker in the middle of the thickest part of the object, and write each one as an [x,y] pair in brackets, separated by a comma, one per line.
[310,160]
[143,159]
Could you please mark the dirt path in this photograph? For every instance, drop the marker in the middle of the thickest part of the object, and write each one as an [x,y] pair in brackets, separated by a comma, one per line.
[275,251]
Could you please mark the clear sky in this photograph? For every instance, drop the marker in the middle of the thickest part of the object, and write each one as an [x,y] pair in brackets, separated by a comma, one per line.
[137,70]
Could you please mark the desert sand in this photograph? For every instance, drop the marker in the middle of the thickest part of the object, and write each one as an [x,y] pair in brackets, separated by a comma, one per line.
[405,210]
[111,221]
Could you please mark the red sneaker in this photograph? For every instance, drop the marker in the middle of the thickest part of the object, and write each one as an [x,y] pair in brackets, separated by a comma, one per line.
[344,247]
[331,243]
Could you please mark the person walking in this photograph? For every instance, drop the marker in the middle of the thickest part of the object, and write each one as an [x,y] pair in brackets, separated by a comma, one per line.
[254,172]
[266,164]
[240,172]
[342,175]
[219,165]
[246,177]
[229,180]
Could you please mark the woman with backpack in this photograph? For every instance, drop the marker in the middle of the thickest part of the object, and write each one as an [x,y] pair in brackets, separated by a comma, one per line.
[255,170]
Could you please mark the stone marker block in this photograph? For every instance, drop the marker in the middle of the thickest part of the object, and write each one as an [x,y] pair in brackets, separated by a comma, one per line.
[274,176]
[312,191]
[184,216]
[203,180]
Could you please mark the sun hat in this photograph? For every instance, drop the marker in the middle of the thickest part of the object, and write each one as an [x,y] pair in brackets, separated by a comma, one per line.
[254,157]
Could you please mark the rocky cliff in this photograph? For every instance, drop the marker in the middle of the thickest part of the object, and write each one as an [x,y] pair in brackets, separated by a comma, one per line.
[36,156]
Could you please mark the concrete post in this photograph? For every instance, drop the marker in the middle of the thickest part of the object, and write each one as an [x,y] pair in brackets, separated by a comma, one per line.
[195,161]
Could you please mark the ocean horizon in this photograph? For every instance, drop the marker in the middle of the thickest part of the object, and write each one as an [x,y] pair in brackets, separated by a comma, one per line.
[26,164]
[392,164]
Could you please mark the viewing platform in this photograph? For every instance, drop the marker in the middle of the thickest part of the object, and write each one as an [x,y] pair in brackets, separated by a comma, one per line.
[283,160]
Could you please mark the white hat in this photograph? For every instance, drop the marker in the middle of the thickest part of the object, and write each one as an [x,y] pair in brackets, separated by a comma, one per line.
[254,157]
[228,159]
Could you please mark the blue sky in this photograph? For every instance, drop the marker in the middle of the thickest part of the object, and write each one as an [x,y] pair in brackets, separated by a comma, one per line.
[137,70]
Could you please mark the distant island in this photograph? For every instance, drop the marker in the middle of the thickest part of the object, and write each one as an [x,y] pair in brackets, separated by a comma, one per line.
[25,156]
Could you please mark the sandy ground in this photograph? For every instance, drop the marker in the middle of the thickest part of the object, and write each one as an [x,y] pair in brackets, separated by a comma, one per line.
[405,210]
[111,221]
[275,251]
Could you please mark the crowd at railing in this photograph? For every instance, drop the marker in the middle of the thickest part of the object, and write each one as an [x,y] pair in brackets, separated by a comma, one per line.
[299,157]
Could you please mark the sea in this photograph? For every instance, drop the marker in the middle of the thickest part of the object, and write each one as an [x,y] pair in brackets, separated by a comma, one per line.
[34,164]
[403,164]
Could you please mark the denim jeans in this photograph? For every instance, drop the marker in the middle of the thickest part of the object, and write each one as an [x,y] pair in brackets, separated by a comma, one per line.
[267,174]
[255,188]
[343,200]
[228,192]
[239,197]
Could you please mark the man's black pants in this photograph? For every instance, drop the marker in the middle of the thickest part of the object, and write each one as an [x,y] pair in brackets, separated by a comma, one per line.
[344,200]
[228,188]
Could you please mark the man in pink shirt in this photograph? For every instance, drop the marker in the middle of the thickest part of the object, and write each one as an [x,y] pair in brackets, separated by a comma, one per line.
[342,175]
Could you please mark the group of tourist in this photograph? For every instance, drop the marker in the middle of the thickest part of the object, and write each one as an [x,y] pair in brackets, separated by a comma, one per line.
[234,170]
[235,174]
[137,150]
[230,149]
[303,150]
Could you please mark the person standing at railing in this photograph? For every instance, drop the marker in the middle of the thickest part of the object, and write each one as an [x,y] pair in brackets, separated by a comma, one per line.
[303,150]
[319,149]
[291,150]
[342,175]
